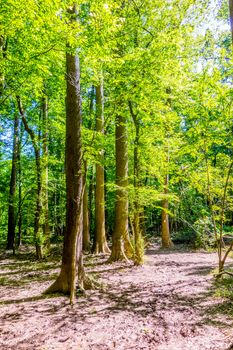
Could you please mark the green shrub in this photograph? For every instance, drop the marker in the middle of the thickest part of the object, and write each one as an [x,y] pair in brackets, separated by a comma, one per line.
[198,235]
[186,236]
[204,230]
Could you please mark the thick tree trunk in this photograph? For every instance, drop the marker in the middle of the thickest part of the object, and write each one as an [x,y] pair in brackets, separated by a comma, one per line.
[13,180]
[100,242]
[45,140]
[120,241]
[166,238]
[66,280]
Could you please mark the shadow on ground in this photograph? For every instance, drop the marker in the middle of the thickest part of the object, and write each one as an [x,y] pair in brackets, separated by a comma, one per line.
[174,307]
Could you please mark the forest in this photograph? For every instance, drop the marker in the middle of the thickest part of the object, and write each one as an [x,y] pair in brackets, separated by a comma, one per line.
[116,174]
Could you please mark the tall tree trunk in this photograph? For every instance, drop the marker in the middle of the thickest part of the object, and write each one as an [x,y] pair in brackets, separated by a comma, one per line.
[165,232]
[45,170]
[90,197]
[55,221]
[166,238]
[92,175]
[13,180]
[37,231]
[86,227]
[139,246]
[100,242]
[107,217]
[20,217]
[120,232]
[66,280]
[37,227]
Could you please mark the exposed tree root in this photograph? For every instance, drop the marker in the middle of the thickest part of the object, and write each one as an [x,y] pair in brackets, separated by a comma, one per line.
[59,286]
[101,249]
[220,274]
[118,256]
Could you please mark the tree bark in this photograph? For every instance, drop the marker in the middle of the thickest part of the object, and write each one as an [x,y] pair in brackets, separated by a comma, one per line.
[138,239]
[20,217]
[90,198]
[45,170]
[166,238]
[37,233]
[13,181]
[86,227]
[91,178]
[66,280]
[37,227]
[100,242]
[120,240]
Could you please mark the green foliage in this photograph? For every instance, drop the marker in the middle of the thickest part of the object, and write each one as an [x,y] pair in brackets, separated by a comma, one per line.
[224,288]
[153,56]
[184,236]
[204,233]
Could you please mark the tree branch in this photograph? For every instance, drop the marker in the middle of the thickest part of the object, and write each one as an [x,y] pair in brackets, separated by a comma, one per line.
[25,123]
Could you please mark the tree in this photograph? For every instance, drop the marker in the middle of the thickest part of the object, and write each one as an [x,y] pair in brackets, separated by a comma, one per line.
[13,183]
[38,212]
[137,208]
[72,245]
[86,224]
[100,242]
[45,155]
[19,218]
[165,231]
[120,232]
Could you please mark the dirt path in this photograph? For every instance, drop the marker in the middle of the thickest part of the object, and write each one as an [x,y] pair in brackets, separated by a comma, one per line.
[167,304]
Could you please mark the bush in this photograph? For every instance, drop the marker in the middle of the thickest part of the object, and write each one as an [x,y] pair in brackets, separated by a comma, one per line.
[199,235]
[204,233]
[186,236]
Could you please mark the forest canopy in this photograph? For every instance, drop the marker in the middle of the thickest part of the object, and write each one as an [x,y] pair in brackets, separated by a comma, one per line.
[116,126]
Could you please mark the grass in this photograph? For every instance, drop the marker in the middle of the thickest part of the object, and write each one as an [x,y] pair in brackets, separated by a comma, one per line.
[224,287]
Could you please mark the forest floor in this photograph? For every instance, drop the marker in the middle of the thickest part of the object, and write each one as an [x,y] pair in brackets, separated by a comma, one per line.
[169,303]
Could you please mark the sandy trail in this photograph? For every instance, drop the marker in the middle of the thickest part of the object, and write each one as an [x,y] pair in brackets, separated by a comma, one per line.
[166,304]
